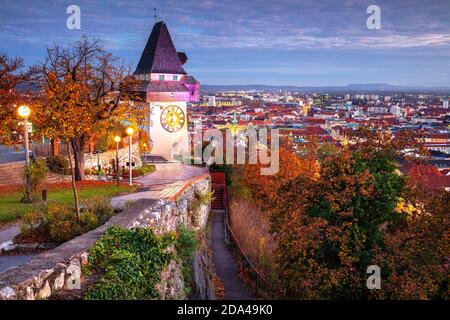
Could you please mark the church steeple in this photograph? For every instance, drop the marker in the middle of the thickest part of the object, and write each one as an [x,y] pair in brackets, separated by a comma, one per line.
[160,55]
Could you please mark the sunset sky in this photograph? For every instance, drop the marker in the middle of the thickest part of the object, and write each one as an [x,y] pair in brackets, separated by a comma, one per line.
[302,42]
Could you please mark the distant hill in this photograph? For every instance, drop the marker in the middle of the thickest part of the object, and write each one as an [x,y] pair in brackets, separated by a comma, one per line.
[361,88]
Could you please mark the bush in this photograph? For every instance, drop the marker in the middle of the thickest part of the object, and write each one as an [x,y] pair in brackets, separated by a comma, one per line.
[57,222]
[99,205]
[36,172]
[141,171]
[186,244]
[129,263]
[58,164]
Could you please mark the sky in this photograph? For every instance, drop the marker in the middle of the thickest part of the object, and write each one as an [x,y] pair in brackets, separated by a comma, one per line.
[282,42]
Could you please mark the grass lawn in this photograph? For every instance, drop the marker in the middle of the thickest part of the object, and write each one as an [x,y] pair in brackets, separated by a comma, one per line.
[12,209]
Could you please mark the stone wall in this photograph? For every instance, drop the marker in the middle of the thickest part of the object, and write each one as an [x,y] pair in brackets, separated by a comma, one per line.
[60,268]
[107,158]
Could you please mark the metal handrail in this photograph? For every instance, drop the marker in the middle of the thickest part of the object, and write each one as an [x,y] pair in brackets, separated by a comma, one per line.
[241,250]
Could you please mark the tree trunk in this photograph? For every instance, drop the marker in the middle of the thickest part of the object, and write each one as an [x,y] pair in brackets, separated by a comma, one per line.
[55,147]
[78,145]
[74,187]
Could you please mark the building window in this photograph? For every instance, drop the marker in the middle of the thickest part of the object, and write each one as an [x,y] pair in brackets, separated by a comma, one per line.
[175,78]
[161,77]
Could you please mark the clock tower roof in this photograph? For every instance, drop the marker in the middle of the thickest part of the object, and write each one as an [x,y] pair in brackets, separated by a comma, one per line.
[160,55]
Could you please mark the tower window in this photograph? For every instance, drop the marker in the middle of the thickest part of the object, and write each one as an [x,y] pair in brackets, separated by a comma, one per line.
[175,78]
[161,77]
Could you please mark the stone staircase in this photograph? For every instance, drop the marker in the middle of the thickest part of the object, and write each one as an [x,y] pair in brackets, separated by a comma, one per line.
[154,159]
[218,185]
[218,200]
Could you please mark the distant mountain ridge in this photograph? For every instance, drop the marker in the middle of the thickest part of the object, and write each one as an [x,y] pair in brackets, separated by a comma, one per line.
[353,87]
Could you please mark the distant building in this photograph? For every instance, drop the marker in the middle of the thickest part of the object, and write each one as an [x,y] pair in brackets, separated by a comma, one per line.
[211,101]
[445,104]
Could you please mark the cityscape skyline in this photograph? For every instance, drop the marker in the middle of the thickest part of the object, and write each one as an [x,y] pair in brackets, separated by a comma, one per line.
[299,43]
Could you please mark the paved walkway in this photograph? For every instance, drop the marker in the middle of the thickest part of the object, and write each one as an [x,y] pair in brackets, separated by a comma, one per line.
[9,232]
[166,181]
[8,262]
[167,173]
[224,263]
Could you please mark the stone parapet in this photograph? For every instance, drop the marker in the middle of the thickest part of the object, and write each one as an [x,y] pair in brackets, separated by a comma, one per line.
[60,268]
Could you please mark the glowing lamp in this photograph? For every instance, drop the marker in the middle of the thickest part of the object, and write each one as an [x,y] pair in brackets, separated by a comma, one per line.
[130,131]
[24,111]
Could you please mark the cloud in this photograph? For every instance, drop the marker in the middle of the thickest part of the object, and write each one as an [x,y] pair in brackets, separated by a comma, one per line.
[247,37]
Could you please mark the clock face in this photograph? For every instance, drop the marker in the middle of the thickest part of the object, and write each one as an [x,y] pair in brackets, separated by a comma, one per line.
[172,118]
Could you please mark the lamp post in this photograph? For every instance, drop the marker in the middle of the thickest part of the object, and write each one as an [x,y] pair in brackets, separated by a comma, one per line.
[130,132]
[24,112]
[117,140]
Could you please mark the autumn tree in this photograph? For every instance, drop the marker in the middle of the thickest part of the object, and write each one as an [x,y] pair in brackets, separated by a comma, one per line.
[350,220]
[335,216]
[266,189]
[13,92]
[85,89]
[414,256]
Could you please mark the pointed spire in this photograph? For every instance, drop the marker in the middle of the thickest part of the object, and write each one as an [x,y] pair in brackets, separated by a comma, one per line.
[159,55]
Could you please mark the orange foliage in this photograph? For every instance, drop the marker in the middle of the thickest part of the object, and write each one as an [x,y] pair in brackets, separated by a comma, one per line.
[266,188]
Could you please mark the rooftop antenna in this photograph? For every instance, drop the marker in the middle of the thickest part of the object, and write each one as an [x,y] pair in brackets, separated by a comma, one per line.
[154,9]
[163,15]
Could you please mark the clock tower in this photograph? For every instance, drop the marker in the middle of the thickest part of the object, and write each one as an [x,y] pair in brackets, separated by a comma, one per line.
[166,89]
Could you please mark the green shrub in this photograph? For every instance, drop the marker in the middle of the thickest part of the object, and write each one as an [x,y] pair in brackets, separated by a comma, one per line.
[61,221]
[58,164]
[200,199]
[204,198]
[99,205]
[186,245]
[141,171]
[57,222]
[129,263]
[36,172]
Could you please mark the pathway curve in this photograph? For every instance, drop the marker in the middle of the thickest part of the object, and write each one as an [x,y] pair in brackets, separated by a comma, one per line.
[167,173]
[167,180]
[224,261]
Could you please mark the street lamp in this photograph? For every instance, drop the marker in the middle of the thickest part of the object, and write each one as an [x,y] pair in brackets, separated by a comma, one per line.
[117,140]
[130,132]
[24,112]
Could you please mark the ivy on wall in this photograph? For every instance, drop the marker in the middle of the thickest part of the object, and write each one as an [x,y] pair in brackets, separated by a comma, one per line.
[128,263]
